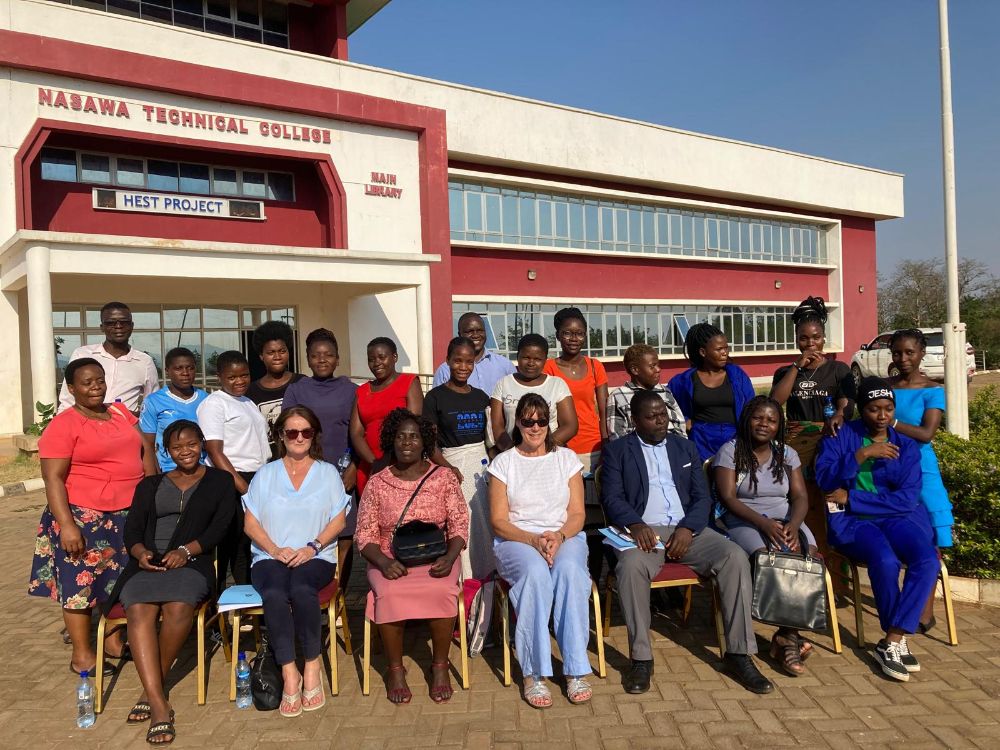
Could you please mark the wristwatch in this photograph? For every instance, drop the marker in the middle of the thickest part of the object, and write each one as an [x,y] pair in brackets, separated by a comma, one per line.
[315,545]
[561,534]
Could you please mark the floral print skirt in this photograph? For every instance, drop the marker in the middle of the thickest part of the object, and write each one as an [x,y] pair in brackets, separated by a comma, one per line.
[88,580]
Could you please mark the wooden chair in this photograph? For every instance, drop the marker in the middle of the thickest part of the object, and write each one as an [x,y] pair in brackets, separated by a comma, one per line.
[949,607]
[116,619]
[331,601]
[502,597]
[463,646]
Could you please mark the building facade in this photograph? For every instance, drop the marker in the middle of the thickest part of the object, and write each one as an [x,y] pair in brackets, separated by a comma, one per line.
[218,163]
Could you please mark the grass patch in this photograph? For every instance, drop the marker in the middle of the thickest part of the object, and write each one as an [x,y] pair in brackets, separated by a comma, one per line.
[19,469]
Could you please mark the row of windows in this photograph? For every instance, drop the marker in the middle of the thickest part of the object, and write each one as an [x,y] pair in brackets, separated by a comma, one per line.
[207,331]
[171,176]
[487,213]
[614,328]
[253,20]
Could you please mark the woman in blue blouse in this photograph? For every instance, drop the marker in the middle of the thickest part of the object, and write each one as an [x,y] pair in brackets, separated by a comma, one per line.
[713,392]
[295,508]
[871,475]
[919,409]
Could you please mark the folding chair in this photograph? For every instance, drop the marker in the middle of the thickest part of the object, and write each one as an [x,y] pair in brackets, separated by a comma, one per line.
[331,601]
[502,595]
[116,619]
[366,660]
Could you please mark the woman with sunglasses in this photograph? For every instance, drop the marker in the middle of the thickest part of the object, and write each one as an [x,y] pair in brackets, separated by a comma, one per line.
[536,507]
[295,508]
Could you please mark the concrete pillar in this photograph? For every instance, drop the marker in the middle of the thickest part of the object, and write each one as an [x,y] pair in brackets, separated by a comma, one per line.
[41,338]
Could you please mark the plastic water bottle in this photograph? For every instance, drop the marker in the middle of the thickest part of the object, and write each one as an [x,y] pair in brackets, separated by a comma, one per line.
[85,716]
[343,462]
[828,410]
[243,697]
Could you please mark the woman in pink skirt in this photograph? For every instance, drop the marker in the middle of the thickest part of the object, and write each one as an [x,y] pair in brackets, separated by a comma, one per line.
[428,592]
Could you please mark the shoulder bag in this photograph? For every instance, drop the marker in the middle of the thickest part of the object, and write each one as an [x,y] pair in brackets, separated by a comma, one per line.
[265,679]
[417,543]
[789,590]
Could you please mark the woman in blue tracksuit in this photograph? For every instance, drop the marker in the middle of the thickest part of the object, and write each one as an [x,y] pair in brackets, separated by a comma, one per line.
[871,476]
[713,392]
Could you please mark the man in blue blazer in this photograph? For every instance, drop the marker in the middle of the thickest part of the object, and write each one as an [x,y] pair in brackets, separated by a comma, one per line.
[653,486]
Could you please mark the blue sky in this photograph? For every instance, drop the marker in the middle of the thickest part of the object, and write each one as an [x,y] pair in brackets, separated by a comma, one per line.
[853,80]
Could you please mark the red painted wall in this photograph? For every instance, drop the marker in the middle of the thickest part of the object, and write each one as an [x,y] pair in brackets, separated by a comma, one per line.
[319,29]
[859,270]
[68,207]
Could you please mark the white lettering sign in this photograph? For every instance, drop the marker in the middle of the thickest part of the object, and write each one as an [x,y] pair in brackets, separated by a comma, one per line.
[205,206]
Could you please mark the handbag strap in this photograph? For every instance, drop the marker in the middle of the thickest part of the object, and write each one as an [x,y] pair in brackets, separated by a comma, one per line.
[412,498]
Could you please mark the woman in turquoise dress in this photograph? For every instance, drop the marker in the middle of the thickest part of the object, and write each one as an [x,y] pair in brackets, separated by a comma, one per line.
[919,407]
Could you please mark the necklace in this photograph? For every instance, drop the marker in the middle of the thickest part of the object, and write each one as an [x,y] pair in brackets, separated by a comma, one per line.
[293,466]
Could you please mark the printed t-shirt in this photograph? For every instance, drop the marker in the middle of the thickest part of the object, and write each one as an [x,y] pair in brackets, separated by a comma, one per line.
[584,392]
[509,391]
[808,397]
[268,400]
[537,487]
[161,409]
[459,417]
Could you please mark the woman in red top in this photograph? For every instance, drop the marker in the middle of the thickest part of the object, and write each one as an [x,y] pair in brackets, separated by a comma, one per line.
[375,399]
[91,458]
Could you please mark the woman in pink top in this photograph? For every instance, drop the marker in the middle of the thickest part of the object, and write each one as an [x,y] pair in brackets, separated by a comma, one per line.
[375,399]
[427,592]
[91,456]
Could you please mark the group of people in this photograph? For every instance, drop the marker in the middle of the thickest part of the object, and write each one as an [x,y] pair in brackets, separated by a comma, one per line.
[275,480]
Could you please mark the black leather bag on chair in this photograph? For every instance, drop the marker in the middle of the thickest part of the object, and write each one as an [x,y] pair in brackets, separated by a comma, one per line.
[789,590]
[417,543]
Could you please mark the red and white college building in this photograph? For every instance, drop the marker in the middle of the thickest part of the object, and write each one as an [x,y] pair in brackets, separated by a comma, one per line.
[218,163]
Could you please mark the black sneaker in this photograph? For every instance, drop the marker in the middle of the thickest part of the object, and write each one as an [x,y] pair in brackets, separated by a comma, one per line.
[908,659]
[891,660]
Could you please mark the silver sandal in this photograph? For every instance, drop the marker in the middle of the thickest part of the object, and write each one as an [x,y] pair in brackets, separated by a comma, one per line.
[575,686]
[538,691]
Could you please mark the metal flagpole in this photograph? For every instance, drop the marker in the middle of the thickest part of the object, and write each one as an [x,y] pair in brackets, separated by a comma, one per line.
[955,384]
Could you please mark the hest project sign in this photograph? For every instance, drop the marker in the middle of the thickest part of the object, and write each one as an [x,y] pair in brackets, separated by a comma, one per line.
[177,205]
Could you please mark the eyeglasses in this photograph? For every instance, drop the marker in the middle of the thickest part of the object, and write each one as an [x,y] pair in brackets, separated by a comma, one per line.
[573,334]
[117,323]
[528,423]
[307,434]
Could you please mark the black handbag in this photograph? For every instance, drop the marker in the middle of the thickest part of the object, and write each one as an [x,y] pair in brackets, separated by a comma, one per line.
[265,679]
[789,590]
[417,543]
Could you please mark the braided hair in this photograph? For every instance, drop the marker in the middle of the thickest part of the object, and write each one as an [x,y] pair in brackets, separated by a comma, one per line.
[908,333]
[810,310]
[744,456]
[697,339]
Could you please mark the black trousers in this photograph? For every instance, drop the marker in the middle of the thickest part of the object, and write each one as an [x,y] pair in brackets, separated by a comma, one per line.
[291,605]
[233,553]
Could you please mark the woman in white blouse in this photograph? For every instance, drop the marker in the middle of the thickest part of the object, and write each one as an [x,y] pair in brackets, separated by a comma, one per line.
[536,508]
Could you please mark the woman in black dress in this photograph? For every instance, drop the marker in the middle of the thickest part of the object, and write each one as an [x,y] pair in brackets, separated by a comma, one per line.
[173,527]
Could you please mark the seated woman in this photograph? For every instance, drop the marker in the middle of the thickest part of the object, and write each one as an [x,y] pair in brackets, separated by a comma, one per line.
[759,481]
[871,474]
[171,532]
[295,508]
[536,506]
[427,592]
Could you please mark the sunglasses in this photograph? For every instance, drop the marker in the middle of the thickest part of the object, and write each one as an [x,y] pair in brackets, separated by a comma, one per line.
[116,323]
[528,423]
[307,434]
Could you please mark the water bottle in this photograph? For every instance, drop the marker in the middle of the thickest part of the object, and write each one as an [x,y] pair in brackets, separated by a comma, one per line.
[85,716]
[343,462]
[828,410]
[243,697]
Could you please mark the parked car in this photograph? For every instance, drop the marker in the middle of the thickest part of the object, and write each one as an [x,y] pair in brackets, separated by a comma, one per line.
[875,358]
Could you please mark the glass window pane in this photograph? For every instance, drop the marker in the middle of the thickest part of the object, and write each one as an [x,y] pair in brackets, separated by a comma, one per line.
[576,224]
[544,218]
[527,220]
[607,225]
[65,344]
[162,175]
[474,211]
[69,318]
[94,168]
[222,28]
[509,224]
[58,164]
[248,11]
[280,186]
[130,172]
[648,232]
[145,319]
[248,33]
[254,184]
[493,213]
[182,317]
[456,209]
[275,17]
[221,316]
[195,179]
[224,182]
[124,7]
[149,342]
[562,219]
[217,342]
[220,8]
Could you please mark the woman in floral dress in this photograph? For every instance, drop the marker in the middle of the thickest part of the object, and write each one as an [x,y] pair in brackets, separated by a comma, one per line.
[91,456]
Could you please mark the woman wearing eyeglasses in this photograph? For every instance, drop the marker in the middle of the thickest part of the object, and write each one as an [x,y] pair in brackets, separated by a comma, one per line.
[295,508]
[536,508]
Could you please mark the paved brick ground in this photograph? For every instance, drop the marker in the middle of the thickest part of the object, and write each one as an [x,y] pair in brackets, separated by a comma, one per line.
[842,703]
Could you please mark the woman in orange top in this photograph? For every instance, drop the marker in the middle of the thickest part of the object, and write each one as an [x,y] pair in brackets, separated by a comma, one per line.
[588,382]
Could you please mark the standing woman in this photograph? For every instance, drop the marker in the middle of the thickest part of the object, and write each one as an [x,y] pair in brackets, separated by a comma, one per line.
[387,390]
[919,408]
[91,456]
[176,520]
[713,392]
[272,341]
[458,411]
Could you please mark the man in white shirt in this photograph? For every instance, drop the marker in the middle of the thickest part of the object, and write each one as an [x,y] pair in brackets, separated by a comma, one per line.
[129,373]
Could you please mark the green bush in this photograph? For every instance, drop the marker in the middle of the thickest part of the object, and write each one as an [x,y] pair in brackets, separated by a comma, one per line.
[970,470]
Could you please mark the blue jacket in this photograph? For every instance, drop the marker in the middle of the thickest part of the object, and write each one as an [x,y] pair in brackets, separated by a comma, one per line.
[625,481]
[707,436]
[898,481]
